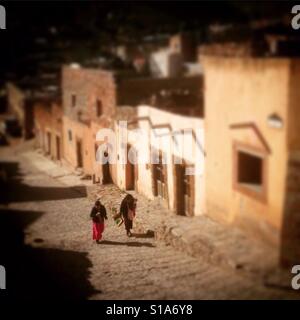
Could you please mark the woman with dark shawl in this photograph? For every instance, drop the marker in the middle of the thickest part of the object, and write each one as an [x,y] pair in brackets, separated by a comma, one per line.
[127,209]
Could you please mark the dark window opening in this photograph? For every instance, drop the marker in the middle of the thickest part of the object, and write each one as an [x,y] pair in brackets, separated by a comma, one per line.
[250,171]
[70,135]
[99,108]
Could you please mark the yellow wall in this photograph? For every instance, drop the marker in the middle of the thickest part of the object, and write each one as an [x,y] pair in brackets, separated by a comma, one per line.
[243,90]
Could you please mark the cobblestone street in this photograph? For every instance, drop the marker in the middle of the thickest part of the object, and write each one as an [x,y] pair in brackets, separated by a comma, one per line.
[140,267]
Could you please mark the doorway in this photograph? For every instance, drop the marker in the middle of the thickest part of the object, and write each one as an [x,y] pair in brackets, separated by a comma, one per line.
[131,169]
[184,191]
[79,153]
[48,142]
[106,176]
[58,148]
[160,179]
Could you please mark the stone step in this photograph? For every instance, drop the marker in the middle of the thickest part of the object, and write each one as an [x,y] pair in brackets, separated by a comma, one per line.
[221,245]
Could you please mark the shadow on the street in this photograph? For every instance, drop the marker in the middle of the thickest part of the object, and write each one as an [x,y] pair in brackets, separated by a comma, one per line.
[40,273]
[129,244]
[14,190]
[37,273]
[25,193]
[146,235]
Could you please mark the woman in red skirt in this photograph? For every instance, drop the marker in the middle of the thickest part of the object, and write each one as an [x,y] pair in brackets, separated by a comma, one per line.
[98,214]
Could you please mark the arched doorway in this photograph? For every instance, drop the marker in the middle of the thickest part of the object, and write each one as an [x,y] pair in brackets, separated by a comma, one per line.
[106,176]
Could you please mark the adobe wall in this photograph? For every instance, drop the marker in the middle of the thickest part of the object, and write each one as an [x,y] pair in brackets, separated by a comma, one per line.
[78,132]
[166,123]
[240,96]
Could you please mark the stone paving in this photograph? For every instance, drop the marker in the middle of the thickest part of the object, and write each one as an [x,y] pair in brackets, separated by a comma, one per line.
[197,236]
[142,267]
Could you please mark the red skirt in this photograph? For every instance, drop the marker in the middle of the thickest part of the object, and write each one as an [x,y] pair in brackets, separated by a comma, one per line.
[98,229]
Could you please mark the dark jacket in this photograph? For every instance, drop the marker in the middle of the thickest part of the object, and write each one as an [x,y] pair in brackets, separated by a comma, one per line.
[98,215]
[127,203]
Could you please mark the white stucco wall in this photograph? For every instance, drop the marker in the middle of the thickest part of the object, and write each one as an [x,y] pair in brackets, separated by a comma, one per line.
[186,147]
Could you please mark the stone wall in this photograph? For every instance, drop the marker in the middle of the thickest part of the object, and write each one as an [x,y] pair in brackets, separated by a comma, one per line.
[85,90]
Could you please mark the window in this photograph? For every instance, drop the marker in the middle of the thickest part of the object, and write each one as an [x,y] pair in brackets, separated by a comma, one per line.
[250,172]
[73,100]
[70,135]
[99,108]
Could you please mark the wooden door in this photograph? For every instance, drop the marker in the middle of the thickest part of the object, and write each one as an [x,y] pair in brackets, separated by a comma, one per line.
[57,147]
[79,153]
